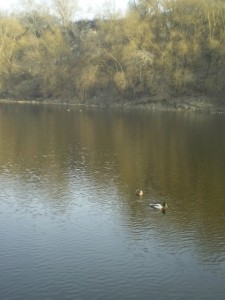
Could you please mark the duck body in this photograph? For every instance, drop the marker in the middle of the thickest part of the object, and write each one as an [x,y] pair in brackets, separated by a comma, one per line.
[159,206]
[139,193]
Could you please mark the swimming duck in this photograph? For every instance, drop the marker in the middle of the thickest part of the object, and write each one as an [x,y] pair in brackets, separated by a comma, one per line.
[159,206]
[139,193]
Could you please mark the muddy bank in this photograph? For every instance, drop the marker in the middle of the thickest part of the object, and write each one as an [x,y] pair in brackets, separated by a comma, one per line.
[188,103]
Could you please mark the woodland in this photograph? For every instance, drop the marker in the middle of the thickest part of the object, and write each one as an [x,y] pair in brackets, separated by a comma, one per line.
[157,51]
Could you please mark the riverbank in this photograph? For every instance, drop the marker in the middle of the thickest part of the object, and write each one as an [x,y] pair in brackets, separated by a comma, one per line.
[159,102]
[184,103]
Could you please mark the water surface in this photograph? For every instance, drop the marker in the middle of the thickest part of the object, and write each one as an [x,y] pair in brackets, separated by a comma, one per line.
[71,226]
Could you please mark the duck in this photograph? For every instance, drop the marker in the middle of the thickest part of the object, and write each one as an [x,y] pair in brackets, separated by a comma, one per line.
[158,206]
[139,193]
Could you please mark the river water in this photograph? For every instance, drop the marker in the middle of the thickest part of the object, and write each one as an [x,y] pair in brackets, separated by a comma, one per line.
[71,226]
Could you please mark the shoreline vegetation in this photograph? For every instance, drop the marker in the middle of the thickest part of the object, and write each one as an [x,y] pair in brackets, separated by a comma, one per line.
[160,54]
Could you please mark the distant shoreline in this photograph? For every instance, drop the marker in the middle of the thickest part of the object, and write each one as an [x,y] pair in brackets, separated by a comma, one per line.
[195,103]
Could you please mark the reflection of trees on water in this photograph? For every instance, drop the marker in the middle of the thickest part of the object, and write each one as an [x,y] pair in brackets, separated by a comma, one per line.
[174,156]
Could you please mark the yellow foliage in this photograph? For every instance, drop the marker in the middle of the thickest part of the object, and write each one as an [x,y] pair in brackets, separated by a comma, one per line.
[183,47]
[156,43]
[120,80]
[214,44]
